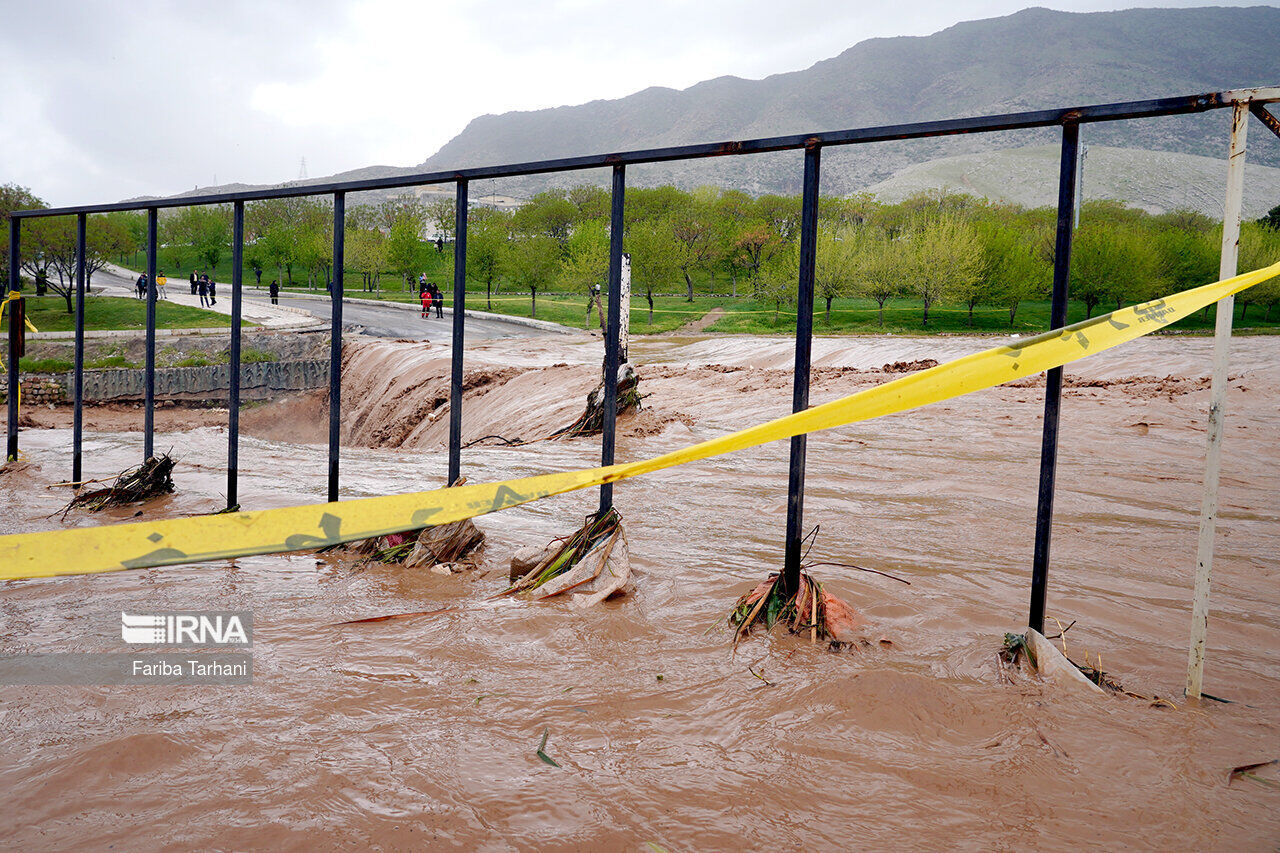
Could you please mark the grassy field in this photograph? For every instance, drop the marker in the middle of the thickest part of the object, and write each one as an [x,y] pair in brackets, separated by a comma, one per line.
[670,312]
[744,315]
[848,316]
[49,314]
[859,316]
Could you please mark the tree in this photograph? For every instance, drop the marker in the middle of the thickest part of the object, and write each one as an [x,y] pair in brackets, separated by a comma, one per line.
[1272,219]
[655,256]
[753,246]
[50,243]
[835,265]
[880,266]
[693,230]
[442,217]
[586,263]
[201,232]
[1259,247]
[1014,268]
[1112,262]
[945,258]
[781,214]
[13,197]
[404,249]
[548,213]
[487,235]
[779,278]
[533,262]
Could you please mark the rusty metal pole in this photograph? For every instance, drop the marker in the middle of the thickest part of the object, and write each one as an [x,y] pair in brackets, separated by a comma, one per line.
[1053,381]
[804,346]
[233,394]
[15,329]
[77,412]
[611,354]
[459,324]
[1218,399]
[149,377]
[335,340]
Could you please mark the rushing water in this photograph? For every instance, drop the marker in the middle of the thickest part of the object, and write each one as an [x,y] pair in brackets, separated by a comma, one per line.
[422,732]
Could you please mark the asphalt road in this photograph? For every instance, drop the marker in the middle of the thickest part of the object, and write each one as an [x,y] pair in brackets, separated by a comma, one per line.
[391,322]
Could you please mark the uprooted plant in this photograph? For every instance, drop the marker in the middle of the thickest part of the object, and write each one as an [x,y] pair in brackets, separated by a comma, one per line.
[150,479]
[595,554]
[809,608]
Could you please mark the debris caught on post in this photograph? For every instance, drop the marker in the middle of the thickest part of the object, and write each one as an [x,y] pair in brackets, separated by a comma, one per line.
[593,561]
[150,479]
[444,549]
[811,610]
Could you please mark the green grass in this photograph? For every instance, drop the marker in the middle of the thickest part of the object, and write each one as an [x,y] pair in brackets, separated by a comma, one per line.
[859,316]
[49,314]
[62,365]
[670,312]
[745,316]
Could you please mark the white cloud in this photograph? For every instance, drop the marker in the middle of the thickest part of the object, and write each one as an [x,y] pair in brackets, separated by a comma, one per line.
[104,101]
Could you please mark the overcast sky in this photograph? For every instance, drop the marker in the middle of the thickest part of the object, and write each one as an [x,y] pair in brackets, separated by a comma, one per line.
[101,101]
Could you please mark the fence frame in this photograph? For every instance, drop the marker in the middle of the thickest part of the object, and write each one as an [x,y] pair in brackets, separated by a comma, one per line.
[1242,102]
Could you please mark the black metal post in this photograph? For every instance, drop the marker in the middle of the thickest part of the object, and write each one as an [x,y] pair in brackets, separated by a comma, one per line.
[609,429]
[1053,384]
[233,400]
[15,329]
[459,322]
[335,340]
[77,413]
[804,346]
[149,394]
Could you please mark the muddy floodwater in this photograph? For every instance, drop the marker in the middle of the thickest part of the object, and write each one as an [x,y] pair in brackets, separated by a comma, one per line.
[423,732]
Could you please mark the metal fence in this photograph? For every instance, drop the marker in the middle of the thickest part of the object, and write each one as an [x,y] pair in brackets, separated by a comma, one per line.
[1242,102]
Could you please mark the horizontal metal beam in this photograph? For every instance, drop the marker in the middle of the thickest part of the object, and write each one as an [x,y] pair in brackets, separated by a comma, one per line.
[885,133]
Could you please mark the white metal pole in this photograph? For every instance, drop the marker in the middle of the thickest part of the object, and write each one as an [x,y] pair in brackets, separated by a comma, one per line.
[1221,346]
[624,293]
[1084,152]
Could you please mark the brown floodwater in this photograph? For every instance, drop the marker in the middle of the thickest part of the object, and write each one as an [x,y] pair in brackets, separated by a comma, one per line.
[422,732]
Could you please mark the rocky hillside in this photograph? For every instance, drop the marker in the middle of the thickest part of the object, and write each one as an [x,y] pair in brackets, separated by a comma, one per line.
[1033,59]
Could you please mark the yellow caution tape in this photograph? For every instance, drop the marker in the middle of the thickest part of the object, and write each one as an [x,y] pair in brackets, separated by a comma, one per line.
[4,305]
[189,540]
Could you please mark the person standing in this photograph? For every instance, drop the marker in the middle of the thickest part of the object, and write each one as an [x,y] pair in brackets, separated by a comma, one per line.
[212,292]
[141,285]
[425,296]
[274,290]
[202,288]
[195,279]
[439,301]
[161,281]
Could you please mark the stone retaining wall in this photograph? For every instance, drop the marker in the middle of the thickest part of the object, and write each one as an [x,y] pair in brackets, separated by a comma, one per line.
[258,380]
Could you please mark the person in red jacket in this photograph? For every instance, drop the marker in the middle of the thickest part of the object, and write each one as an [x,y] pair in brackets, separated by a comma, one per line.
[426,303]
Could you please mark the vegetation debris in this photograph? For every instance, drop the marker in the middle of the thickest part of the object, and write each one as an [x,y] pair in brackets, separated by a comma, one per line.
[595,554]
[150,479]
[591,421]
[810,608]
[542,747]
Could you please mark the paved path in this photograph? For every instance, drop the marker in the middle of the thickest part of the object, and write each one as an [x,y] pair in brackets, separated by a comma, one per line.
[392,320]
[404,321]
[120,282]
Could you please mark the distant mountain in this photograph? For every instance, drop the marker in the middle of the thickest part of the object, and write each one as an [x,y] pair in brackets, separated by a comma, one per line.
[1036,58]
[1154,181]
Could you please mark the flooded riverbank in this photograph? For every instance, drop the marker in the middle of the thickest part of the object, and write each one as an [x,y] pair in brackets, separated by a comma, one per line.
[423,731]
